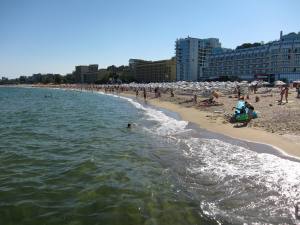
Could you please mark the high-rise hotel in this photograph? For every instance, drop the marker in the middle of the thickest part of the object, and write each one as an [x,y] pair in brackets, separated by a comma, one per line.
[203,59]
[191,57]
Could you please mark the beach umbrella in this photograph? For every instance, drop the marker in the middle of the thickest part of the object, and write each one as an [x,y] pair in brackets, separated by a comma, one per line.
[279,83]
[253,83]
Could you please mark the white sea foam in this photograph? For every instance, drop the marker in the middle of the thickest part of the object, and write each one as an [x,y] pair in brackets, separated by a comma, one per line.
[262,183]
[259,184]
[166,125]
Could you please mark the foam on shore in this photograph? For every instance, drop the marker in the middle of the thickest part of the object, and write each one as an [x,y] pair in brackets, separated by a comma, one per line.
[218,173]
[167,125]
[256,180]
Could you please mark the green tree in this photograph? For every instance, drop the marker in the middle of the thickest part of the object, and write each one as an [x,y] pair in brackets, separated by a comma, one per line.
[58,79]
[248,45]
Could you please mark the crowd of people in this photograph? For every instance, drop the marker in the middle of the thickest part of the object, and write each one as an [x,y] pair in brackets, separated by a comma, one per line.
[208,95]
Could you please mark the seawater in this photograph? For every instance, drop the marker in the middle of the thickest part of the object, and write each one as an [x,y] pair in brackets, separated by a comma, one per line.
[67,157]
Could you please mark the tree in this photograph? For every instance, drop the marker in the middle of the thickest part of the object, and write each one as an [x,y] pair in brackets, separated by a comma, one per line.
[248,45]
[23,79]
[57,79]
[69,78]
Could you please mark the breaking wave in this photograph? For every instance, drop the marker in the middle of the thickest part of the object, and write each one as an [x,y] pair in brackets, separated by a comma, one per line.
[232,183]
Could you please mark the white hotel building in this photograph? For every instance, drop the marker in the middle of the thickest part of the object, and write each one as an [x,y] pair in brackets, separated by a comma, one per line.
[275,60]
[204,59]
[191,56]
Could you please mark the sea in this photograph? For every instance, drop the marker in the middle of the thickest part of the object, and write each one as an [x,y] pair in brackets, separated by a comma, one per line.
[67,157]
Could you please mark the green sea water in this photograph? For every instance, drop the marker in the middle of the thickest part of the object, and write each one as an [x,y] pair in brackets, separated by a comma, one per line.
[67,157]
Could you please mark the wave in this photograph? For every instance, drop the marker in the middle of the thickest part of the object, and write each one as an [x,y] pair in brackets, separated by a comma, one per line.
[166,125]
[231,182]
[260,185]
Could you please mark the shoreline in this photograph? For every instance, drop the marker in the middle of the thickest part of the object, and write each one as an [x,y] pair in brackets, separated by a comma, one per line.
[283,145]
[203,119]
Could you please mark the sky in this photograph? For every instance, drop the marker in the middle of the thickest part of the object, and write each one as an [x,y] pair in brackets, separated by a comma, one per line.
[52,36]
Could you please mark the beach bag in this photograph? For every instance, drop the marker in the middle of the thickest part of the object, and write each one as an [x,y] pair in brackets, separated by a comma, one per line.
[254,115]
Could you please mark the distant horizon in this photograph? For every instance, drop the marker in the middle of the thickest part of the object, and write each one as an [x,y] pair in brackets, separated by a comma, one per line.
[54,37]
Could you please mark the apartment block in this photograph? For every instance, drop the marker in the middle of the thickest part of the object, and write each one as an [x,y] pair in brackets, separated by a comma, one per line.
[191,57]
[86,74]
[153,71]
[275,60]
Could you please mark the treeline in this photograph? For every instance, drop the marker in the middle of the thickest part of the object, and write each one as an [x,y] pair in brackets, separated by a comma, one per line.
[112,74]
[248,45]
[40,78]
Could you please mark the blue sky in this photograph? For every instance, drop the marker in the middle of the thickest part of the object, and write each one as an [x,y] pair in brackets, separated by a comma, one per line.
[55,35]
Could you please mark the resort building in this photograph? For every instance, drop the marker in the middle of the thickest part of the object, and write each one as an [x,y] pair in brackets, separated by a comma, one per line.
[153,71]
[276,60]
[191,57]
[86,74]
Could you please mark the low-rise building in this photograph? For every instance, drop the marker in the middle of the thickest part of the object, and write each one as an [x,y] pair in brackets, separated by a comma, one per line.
[153,71]
[86,74]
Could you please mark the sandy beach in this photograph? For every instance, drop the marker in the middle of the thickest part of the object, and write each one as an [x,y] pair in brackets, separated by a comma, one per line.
[277,125]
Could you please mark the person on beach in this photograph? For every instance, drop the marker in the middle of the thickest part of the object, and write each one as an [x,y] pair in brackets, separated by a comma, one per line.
[284,91]
[211,101]
[240,106]
[238,89]
[157,92]
[281,95]
[172,93]
[251,113]
[298,90]
[215,94]
[239,110]
[195,99]
[145,94]
[255,88]
[136,93]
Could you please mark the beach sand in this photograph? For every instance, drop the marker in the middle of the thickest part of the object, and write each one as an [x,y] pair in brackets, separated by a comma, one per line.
[212,119]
